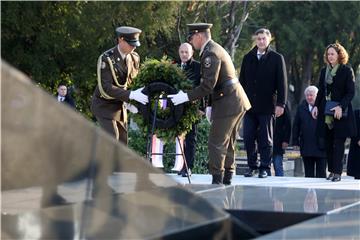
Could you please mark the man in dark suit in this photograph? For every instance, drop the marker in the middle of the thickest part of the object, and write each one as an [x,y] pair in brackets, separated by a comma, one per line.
[63,95]
[192,71]
[263,76]
[229,101]
[117,67]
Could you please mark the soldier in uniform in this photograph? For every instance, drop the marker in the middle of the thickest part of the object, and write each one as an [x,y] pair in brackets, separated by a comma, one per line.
[229,101]
[117,67]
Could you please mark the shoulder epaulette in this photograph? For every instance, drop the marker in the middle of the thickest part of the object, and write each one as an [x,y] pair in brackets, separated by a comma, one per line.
[108,53]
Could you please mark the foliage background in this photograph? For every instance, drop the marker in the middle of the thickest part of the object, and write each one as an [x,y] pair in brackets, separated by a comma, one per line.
[57,41]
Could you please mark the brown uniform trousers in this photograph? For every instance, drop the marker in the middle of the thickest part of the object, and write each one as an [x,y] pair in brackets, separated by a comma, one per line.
[111,92]
[229,104]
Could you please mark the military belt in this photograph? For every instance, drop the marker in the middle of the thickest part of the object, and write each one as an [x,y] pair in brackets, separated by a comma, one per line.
[226,84]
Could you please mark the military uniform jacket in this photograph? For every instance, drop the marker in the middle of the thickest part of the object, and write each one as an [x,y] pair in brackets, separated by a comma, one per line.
[114,76]
[217,68]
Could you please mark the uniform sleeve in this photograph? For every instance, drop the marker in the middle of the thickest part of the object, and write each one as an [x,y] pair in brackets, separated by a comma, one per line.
[210,65]
[118,93]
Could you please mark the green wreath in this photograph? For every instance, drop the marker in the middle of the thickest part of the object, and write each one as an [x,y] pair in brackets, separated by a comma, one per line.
[164,70]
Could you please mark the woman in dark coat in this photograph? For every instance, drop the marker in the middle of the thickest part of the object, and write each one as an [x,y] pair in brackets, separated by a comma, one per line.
[353,166]
[305,139]
[336,83]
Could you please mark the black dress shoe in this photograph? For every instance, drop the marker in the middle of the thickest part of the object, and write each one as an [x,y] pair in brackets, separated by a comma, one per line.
[336,178]
[54,200]
[180,172]
[217,178]
[262,174]
[227,177]
[330,177]
[185,173]
[249,173]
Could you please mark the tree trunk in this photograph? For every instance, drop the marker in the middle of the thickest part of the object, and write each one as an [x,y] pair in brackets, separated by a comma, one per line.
[234,28]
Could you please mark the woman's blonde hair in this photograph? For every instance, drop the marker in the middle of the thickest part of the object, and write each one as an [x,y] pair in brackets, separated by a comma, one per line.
[343,57]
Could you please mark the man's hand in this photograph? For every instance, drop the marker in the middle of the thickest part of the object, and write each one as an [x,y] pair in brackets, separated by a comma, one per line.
[208,114]
[284,145]
[179,98]
[131,108]
[138,96]
[314,112]
[279,111]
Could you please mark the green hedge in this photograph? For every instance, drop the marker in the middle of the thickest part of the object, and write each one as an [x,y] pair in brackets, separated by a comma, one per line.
[137,142]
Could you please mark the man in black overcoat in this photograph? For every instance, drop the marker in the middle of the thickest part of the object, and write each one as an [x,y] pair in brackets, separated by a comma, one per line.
[263,76]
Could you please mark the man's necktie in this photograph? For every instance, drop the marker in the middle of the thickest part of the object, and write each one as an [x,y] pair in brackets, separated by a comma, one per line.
[183,66]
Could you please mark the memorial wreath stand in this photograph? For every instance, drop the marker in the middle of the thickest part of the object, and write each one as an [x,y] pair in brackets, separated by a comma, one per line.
[151,130]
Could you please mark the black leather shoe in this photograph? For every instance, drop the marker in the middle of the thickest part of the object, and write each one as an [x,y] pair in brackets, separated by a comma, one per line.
[336,178]
[185,174]
[262,174]
[330,177]
[249,173]
[227,177]
[54,200]
[180,172]
[217,178]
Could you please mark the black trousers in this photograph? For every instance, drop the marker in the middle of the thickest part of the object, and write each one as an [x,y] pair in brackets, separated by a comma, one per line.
[312,163]
[258,128]
[190,146]
[335,149]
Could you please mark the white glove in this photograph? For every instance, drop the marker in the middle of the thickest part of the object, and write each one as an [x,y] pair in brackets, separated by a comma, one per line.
[179,98]
[208,114]
[138,96]
[131,108]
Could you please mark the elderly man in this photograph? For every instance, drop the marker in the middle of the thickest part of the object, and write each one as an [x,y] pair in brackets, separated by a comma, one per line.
[304,136]
[192,70]
[117,67]
[229,101]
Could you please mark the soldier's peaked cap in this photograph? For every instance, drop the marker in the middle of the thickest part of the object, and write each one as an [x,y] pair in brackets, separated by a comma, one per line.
[129,34]
[198,27]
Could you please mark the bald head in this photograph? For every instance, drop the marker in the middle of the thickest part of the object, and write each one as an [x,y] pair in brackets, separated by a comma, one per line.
[185,52]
